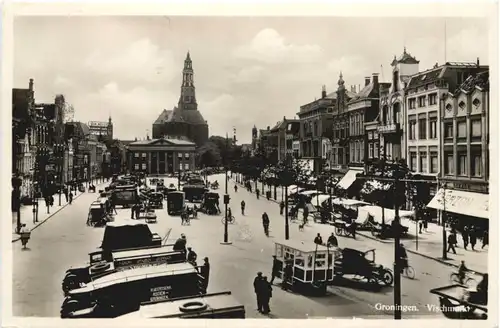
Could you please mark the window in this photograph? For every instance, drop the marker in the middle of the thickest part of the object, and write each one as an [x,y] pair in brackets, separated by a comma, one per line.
[434,163]
[422,128]
[136,155]
[413,161]
[432,99]
[370,150]
[144,166]
[375,135]
[462,164]
[433,128]
[475,127]
[423,162]
[186,166]
[448,164]
[461,105]
[412,103]
[476,102]
[179,155]
[412,130]
[448,130]
[461,130]
[136,166]
[180,166]
[370,135]
[186,155]
[143,155]
[476,164]
[421,101]
[375,150]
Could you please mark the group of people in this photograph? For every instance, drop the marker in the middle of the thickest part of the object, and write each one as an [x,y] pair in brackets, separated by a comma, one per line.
[470,235]
[264,292]
[191,257]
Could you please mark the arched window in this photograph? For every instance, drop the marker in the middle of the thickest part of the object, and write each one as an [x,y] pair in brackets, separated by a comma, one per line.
[385,113]
[396,111]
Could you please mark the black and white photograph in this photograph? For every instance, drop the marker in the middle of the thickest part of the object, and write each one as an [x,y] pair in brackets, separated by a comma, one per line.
[253,166]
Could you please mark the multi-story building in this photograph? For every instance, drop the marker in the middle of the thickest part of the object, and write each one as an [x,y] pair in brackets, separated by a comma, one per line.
[316,119]
[281,137]
[340,128]
[424,110]
[392,107]
[464,146]
[363,107]
[161,156]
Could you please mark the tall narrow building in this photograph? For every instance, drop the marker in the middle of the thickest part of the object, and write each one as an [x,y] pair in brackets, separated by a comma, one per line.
[184,120]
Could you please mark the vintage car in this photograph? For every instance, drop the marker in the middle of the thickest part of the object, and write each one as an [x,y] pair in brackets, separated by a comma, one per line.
[99,213]
[156,200]
[313,265]
[210,203]
[124,196]
[362,263]
[175,202]
[194,193]
[461,302]
[208,306]
[124,291]
[130,236]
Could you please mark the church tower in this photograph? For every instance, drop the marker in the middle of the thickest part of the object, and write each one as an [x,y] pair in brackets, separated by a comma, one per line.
[187,100]
[110,129]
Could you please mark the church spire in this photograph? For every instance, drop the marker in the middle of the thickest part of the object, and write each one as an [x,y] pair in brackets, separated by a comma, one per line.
[188,97]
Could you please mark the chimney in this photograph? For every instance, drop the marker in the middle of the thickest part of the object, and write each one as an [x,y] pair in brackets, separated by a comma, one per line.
[323,91]
[478,61]
[375,79]
[31,80]
[367,81]
[268,128]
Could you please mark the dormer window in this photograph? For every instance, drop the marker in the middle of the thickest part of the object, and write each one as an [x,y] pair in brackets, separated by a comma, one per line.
[461,105]
[476,102]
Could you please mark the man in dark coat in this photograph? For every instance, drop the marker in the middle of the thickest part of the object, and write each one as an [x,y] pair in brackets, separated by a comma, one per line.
[275,270]
[205,272]
[465,237]
[180,244]
[282,207]
[485,238]
[318,240]
[332,241]
[473,237]
[267,293]
[452,240]
[191,256]
[265,223]
[257,286]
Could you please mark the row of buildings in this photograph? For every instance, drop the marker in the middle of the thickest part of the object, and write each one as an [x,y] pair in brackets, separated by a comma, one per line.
[50,150]
[437,120]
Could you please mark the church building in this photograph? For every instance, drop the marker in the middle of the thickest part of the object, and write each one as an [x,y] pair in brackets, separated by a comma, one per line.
[184,120]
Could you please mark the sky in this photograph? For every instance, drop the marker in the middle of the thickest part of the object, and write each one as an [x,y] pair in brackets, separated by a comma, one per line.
[247,70]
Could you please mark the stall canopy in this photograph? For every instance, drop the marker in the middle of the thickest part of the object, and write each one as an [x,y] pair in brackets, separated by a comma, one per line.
[348,179]
[348,202]
[294,189]
[376,213]
[309,192]
[461,202]
[319,199]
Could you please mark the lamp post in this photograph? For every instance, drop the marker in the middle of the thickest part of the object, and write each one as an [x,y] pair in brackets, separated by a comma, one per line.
[226,199]
[287,183]
[443,219]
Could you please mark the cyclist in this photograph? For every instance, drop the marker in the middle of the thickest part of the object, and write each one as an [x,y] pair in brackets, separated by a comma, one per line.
[230,216]
[242,207]
[462,269]
[403,257]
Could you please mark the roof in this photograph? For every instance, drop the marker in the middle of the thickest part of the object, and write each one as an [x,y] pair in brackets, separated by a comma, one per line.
[126,142]
[125,222]
[189,116]
[369,91]
[304,246]
[84,128]
[163,141]
[164,116]
[442,72]
[405,58]
[480,80]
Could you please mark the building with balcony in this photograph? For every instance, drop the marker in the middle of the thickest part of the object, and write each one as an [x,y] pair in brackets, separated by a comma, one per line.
[424,109]
[392,107]
[465,151]
[166,155]
[340,128]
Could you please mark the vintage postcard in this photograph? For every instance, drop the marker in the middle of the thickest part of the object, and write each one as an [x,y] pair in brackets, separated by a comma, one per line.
[302,161]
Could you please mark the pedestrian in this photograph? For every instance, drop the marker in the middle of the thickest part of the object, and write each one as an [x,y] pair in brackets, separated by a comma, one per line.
[70,197]
[205,273]
[472,237]
[282,207]
[191,256]
[306,214]
[485,238]
[180,244]
[287,276]
[452,240]
[229,214]
[257,286]
[268,195]
[332,241]
[426,222]
[465,237]
[51,200]
[275,272]
[265,223]
[137,210]
[318,240]
[235,188]
[257,192]
[267,293]
[132,211]
[242,207]
[420,226]
[66,194]
[47,203]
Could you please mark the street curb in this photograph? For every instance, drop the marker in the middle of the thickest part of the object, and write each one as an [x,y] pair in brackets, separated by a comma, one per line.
[48,217]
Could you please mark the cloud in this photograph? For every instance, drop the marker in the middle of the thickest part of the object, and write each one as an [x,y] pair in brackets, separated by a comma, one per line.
[141,61]
[270,47]
[250,74]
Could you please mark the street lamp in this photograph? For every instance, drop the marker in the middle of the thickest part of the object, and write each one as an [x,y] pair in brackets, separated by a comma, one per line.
[226,198]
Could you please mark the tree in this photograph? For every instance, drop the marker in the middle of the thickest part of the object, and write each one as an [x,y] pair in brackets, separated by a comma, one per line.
[208,155]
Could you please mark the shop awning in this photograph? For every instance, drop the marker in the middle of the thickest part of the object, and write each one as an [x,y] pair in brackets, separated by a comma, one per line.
[348,179]
[461,202]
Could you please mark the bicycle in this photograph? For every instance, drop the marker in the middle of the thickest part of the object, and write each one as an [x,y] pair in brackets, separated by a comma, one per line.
[467,281]
[230,220]
[409,272]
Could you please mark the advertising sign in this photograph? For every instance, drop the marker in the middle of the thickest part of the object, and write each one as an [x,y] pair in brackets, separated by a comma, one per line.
[98,128]
[159,293]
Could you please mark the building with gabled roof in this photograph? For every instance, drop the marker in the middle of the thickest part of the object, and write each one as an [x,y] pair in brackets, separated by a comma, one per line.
[184,119]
